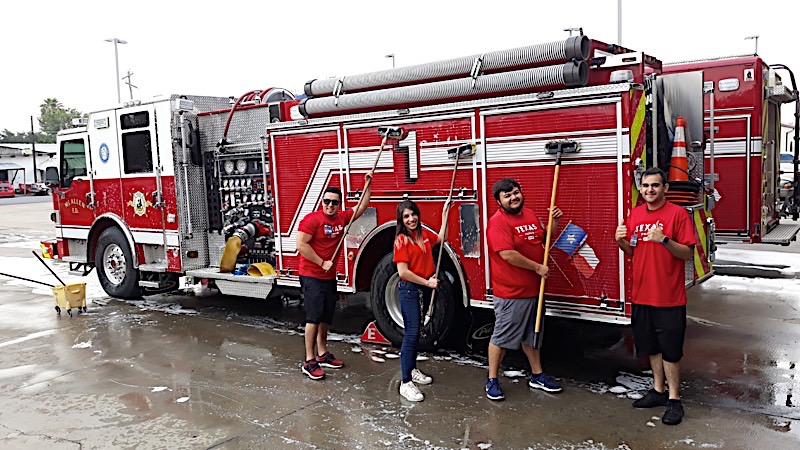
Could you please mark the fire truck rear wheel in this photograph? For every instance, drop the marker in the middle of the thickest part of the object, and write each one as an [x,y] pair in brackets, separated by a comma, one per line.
[385,300]
[114,261]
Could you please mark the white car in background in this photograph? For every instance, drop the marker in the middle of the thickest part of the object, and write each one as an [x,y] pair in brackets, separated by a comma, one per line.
[786,166]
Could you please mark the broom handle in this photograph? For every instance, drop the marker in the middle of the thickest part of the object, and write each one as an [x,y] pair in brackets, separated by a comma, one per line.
[25,279]
[358,205]
[540,303]
[48,267]
[441,247]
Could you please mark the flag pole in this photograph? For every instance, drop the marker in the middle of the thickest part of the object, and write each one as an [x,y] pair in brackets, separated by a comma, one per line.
[562,233]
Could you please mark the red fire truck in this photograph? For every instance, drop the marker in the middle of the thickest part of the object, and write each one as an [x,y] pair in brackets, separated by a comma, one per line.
[150,191]
[744,110]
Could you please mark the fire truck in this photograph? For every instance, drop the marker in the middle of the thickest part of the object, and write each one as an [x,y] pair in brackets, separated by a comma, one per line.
[151,191]
[743,131]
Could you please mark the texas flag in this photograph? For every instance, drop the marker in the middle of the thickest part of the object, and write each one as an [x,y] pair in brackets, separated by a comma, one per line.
[573,242]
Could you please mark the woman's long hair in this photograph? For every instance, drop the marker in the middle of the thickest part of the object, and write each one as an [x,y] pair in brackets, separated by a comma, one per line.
[401,227]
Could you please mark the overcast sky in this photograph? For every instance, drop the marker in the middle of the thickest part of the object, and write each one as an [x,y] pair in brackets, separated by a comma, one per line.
[226,48]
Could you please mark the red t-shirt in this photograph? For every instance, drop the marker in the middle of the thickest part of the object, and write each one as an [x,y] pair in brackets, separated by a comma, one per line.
[420,261]
[659,278]
[525,234]
[325,234]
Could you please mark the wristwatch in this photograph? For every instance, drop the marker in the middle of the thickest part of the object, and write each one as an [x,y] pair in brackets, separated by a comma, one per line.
[665,241]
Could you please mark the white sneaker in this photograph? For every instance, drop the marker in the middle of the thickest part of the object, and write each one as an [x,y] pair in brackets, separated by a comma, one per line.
[410,391]
[420,378]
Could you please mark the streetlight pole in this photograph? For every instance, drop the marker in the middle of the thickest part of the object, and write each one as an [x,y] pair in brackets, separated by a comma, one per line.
[755,38]
[391,55]
[116,62]
[619,22]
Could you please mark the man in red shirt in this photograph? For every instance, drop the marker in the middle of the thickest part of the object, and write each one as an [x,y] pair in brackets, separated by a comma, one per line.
[318,236]
[516,261]
[660,237]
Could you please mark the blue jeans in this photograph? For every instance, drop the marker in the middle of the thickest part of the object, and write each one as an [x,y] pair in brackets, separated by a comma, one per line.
[410,307]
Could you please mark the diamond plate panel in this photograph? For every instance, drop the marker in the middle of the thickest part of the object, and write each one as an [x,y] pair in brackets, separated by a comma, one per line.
[216,244]
[695,162]
[77,247]
[190,185]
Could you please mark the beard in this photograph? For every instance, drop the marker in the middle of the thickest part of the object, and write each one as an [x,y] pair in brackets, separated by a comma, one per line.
[516,209]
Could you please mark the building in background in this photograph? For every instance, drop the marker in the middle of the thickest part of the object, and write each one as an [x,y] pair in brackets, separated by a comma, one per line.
[16,162]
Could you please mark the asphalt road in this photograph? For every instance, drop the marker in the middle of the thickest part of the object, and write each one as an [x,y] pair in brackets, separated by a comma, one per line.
[25,199]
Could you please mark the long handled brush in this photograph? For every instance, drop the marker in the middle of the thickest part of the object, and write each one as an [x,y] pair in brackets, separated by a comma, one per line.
[388,133]
[551,148]
[456,154]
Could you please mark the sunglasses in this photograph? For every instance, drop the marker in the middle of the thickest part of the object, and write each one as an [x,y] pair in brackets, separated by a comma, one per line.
[330,201]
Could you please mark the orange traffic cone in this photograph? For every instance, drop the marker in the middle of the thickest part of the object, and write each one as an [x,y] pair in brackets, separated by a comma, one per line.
[679,167]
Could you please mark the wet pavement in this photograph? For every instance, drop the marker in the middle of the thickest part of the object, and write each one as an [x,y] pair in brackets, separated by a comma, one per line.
[198,371]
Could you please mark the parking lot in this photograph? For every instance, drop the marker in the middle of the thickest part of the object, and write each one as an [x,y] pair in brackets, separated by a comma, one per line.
[199,370]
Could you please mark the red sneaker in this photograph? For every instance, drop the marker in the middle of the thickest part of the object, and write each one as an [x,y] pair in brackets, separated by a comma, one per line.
[312,369]
[327,360]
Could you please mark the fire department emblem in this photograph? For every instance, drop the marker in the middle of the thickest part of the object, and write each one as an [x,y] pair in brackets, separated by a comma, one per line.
[139,204]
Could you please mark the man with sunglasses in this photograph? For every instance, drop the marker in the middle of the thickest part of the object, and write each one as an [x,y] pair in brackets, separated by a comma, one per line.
[318,236]
[660,237]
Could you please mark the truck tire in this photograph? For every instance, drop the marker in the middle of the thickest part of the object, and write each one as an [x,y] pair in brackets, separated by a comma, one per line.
[385,301]
[114,261]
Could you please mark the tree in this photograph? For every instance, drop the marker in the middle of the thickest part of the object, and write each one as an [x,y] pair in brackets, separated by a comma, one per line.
[9,137]
[55,117]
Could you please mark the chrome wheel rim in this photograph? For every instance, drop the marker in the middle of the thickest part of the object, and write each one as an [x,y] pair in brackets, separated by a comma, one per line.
[114,264]
[392,298]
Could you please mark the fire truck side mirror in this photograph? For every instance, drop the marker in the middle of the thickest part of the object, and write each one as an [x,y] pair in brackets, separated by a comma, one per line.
[51,176]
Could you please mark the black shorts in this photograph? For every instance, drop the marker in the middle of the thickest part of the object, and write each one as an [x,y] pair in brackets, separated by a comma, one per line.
[319,298]
[659,330]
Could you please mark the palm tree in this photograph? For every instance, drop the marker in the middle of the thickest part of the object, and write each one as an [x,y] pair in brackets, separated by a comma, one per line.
[51,103]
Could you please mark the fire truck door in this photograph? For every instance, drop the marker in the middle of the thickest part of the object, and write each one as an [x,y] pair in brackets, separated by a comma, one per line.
[75,204]
[142,198]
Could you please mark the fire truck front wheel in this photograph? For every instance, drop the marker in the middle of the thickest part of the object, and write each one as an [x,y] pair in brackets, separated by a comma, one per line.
[114,262]
[385,300]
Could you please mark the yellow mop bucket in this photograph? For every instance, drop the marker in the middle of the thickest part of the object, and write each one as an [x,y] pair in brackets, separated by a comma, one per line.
[72,295]
[68,296]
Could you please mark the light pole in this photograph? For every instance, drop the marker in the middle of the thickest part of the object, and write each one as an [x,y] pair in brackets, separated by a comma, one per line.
[116,62]
[571,29]
[391,55]
[619,22]
[755,38]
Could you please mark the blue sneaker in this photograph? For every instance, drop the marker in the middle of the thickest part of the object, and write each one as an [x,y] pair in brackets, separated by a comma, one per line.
[545,383]
[493,391]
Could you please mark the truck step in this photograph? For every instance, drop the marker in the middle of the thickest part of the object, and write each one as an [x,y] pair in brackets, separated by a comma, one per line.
[153,267]
[782,234]
[239,285]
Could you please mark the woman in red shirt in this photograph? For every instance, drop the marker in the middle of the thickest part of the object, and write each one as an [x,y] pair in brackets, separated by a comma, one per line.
[413,255]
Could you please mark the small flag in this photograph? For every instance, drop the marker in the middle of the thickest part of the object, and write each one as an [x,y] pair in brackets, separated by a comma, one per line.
[573,242]
[585,260]
[571,238]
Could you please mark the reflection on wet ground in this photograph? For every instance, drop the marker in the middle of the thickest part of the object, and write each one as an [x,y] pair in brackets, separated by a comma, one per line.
[206,371]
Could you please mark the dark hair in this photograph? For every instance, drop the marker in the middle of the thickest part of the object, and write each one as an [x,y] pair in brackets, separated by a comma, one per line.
[333,190]
[656,171]
[401,227]
[504,185]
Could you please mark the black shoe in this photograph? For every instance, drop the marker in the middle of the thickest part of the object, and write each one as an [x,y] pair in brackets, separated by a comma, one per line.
[674,413]
[652,399]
